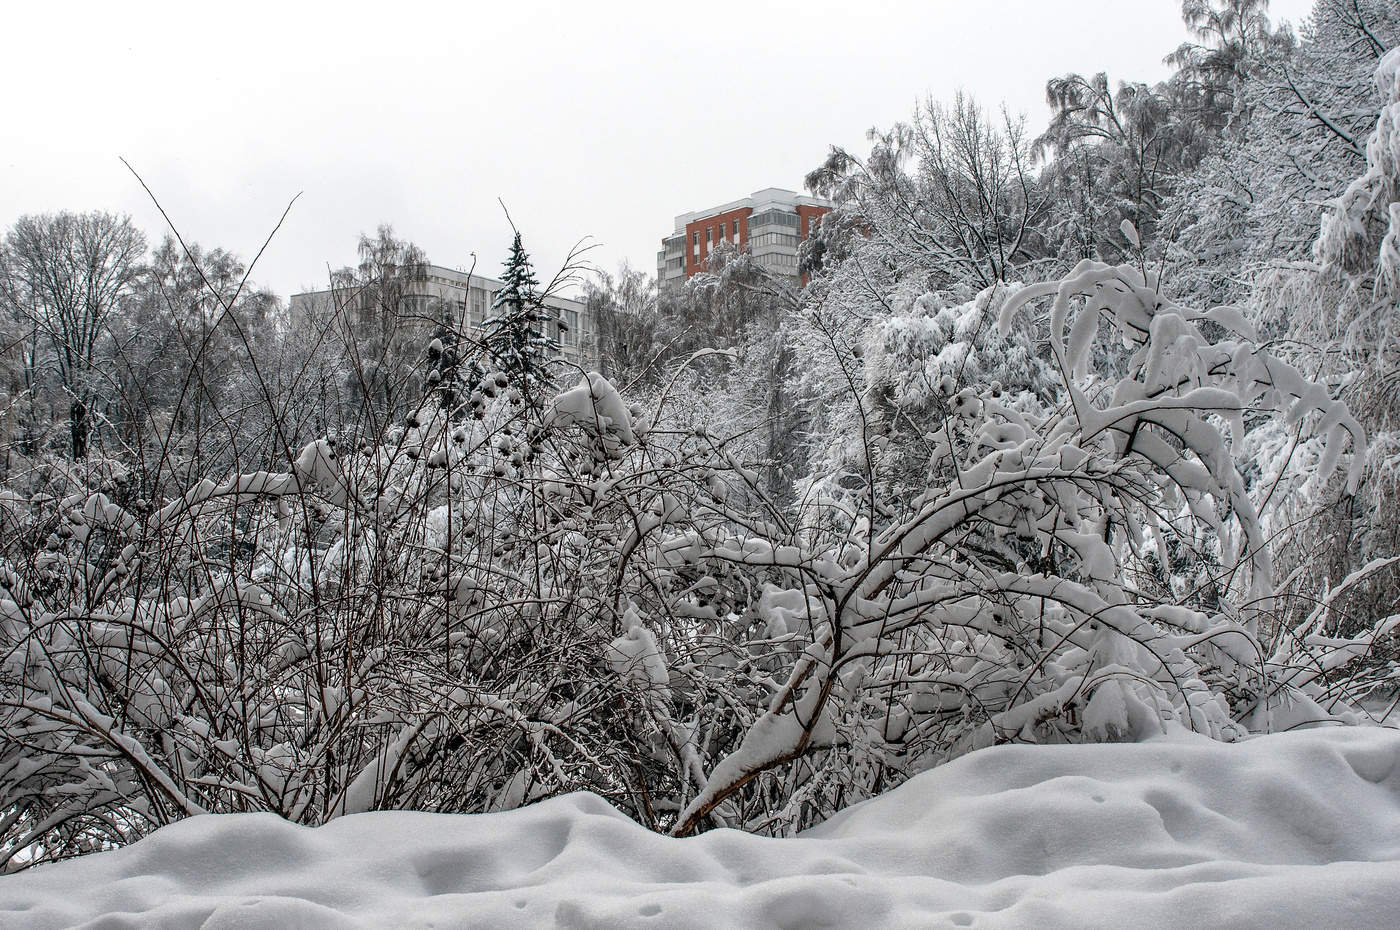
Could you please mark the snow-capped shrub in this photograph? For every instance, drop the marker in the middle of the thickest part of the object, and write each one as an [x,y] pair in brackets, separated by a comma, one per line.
[1017,603]
[507,596]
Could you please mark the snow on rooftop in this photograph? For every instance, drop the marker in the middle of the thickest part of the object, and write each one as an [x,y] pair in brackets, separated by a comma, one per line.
[1299,830]
[757,201]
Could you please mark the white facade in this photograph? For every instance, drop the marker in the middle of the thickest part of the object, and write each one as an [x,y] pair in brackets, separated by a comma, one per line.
[670,261]
[470,297]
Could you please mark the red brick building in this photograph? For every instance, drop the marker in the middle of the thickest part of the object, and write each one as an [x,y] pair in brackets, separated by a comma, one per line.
[770,224]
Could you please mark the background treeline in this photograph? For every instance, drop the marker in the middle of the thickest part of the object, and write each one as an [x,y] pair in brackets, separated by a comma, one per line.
[1225,171]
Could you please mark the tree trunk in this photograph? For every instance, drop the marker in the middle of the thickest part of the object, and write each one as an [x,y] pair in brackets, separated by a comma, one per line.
[78,424]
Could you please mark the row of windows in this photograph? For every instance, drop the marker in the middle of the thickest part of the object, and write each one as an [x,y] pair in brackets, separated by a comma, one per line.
[778,260]
[767,239]
[723,232]
[729,231]
[563,324]
[564,328]
[716,232]
[775,218]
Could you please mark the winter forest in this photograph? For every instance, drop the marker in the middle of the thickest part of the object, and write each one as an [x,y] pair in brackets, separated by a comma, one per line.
[1082,433]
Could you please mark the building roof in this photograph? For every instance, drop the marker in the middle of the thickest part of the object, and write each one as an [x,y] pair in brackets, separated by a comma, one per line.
[758,200]
[454,277]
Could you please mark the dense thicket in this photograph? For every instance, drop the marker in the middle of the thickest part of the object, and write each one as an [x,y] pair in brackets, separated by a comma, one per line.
[1068,437]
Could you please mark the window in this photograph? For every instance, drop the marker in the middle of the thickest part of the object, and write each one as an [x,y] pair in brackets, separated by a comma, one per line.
[736,230]
[477,305]
[568,327]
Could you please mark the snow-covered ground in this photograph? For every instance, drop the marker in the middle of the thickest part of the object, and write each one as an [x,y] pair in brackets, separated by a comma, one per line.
[1295,830]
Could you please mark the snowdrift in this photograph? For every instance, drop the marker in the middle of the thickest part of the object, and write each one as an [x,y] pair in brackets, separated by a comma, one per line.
[1293,830]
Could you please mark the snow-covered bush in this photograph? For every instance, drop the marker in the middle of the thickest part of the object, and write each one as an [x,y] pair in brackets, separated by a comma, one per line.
[913,379]
[1086,571]
[443,617]
[510,598]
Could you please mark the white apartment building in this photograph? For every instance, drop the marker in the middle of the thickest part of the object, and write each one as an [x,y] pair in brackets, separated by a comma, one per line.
[470,296]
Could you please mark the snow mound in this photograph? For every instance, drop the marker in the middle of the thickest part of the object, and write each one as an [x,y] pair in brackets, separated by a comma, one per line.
[1294,830]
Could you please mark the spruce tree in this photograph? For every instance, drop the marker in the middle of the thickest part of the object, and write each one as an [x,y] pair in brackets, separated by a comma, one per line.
[516,335]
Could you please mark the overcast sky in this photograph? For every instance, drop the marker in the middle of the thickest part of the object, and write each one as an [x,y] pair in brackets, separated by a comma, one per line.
[598,120]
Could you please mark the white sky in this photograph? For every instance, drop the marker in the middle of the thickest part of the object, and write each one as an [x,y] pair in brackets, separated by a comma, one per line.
[596,119]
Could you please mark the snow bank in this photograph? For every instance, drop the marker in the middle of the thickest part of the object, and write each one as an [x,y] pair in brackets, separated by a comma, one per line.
[1294,830]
